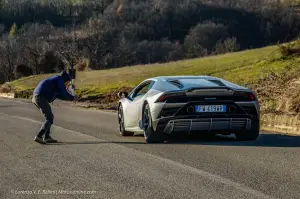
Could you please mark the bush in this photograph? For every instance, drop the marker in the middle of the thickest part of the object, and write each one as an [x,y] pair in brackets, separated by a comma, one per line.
[22,71]
[83,65]
[5,88]
[227,46]
[51,63]
[290,49]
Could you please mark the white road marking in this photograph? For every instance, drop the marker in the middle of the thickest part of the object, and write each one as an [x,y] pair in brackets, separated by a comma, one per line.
[207,175]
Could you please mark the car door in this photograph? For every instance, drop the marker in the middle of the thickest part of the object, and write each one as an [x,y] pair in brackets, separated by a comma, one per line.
[134,108]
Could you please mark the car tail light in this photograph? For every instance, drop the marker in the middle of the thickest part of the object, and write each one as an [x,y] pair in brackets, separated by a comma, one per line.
[246,96]
[166,96]
[252,97]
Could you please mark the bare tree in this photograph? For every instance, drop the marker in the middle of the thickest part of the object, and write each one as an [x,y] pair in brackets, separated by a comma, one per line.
[9,58]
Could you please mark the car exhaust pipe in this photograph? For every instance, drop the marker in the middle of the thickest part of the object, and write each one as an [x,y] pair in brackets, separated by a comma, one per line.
[232,109]
[190,109]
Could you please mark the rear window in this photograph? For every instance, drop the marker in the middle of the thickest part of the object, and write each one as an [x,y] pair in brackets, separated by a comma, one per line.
[186,83]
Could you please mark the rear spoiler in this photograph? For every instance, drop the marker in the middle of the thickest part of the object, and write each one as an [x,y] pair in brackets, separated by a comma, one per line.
[208,88]
[208,91]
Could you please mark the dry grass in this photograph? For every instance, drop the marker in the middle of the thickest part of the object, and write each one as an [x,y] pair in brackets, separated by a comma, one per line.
[222,66]
[279,93]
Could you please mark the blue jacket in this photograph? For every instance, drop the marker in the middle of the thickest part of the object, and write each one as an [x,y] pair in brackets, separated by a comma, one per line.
[54,87]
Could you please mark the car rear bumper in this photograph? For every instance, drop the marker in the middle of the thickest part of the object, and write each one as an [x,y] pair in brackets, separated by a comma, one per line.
[211,125]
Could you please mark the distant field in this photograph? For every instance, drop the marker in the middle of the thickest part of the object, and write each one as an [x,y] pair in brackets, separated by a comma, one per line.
[244,67]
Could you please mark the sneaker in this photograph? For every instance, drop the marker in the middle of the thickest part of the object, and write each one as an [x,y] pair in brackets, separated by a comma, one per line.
[50,140]
[39,139]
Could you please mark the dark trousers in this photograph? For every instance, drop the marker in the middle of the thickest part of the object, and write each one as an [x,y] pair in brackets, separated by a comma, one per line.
[44,106]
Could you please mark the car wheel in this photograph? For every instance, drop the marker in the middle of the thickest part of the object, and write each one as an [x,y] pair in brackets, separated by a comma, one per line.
[248,135]
[121,123]
[150,135]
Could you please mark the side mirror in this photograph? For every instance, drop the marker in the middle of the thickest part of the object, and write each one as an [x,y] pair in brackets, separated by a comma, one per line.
[122,94]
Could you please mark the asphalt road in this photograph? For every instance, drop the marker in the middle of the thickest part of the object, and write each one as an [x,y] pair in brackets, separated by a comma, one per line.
[93,157]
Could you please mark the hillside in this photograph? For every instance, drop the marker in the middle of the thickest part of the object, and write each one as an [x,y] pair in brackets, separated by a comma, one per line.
[41,37]
[265,70]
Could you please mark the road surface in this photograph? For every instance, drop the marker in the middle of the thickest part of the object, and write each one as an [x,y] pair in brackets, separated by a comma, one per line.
[93,161]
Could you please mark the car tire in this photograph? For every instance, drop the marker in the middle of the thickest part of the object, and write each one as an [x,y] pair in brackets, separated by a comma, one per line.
[251,135]
[150,135]
[122,130]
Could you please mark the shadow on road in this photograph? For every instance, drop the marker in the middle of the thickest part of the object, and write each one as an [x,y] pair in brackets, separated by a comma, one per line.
[94,142]
[264,140]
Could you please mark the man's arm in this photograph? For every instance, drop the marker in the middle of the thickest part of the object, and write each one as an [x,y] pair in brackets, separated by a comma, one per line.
[63,93]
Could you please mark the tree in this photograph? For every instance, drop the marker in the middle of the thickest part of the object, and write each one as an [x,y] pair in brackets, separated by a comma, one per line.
[22,71]
[203,37]
[9,57]
[52,34]
[226,46]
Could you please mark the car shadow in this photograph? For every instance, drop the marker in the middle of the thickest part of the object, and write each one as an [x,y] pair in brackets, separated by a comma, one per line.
[93,142]
[264,140]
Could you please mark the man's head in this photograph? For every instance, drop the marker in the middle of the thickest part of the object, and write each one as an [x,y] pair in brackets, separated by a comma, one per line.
[66,77]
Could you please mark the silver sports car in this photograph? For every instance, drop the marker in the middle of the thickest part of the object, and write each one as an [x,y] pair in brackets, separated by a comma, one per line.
[164,106]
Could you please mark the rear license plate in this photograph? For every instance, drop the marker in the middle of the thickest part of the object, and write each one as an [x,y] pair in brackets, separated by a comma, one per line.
[210,108]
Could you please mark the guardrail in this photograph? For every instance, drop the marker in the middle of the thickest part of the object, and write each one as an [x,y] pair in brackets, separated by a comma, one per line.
[7,95]
[285,124]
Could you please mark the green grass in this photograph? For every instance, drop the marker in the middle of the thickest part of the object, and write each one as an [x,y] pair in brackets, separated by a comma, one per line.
[244,68]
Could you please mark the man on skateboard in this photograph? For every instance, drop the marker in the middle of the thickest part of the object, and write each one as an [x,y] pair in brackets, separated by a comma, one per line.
[45,93]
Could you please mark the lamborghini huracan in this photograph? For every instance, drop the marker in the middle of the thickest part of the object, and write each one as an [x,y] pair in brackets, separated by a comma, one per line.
[160,107]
